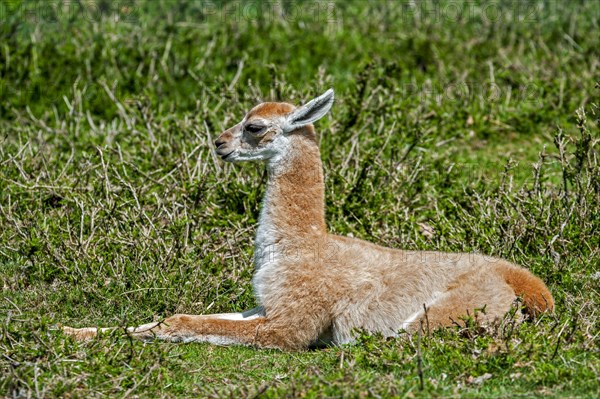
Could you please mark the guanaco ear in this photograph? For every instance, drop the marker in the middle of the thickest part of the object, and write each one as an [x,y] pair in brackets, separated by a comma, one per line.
[309,112]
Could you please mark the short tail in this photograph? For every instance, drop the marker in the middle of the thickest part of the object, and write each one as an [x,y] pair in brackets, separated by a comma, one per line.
[536,296]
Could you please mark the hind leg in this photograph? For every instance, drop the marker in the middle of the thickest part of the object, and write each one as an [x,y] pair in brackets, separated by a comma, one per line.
[485,298]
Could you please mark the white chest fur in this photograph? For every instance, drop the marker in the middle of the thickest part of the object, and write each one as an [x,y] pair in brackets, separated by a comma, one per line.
[266,256]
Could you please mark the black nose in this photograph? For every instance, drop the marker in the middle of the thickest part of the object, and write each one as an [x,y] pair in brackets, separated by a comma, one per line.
[219,142]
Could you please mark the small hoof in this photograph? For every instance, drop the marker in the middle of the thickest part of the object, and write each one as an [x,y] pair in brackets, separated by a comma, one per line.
[80,334]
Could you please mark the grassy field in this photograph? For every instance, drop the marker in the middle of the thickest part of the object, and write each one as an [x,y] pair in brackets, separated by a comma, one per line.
[458,126]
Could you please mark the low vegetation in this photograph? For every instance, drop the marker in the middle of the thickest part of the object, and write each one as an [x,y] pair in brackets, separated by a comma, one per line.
[457,127]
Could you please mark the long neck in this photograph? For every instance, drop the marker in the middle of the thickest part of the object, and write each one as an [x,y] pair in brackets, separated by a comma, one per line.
[294,202]
[293,208]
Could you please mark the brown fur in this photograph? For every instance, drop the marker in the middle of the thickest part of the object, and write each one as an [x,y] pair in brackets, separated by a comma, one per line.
[536,296]
[317,286]
[268,110]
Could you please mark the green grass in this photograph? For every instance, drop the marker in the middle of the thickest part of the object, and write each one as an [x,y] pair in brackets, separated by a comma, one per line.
[114,210]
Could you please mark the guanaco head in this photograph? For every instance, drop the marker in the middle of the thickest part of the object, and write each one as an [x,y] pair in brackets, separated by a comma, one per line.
[266,130]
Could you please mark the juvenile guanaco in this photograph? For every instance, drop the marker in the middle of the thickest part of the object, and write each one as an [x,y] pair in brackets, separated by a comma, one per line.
[313,286]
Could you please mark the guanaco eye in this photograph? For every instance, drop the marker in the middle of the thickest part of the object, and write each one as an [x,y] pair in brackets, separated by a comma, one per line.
[254,129]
